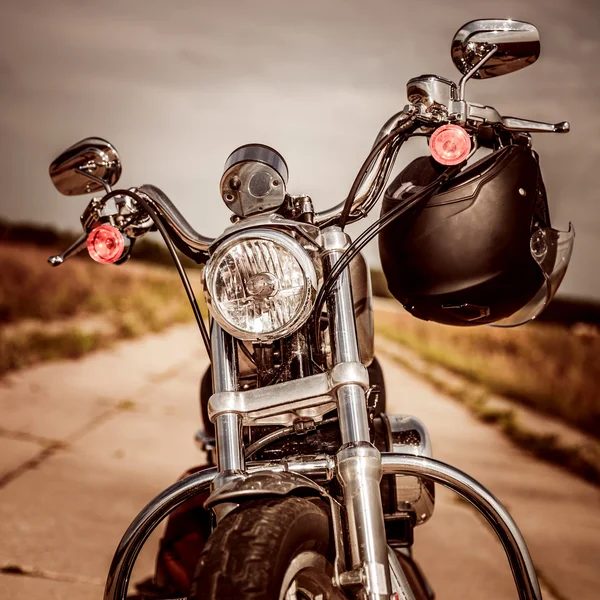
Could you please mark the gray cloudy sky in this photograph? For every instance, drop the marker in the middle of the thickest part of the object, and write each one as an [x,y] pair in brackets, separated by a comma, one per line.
[177,85]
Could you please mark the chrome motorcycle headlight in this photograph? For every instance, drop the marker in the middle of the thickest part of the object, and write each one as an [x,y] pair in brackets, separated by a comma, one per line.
[260,285]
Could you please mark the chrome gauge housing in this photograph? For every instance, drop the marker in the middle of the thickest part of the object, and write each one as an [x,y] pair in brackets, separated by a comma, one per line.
[260,284]
[254,180]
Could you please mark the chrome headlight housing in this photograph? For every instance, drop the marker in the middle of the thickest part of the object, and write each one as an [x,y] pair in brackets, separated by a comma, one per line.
[260,285]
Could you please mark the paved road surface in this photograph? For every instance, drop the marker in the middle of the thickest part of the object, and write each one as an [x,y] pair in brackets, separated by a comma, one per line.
[84,445]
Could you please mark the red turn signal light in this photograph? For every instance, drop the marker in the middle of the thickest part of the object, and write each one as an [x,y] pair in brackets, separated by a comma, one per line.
[450,145]
[106,244]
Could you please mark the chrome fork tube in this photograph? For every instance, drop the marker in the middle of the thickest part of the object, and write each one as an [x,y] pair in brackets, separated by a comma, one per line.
[230,457]
[228,426]
[359,462]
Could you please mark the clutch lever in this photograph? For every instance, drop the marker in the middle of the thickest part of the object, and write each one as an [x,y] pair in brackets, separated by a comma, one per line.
[77,246]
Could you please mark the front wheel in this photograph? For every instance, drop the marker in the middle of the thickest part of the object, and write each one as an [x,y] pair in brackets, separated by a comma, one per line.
[268,549]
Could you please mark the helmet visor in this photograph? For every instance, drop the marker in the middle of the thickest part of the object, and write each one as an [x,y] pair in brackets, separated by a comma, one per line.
[551,249]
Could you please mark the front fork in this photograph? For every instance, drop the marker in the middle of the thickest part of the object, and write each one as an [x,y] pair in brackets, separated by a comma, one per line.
[228,426]
[358,461]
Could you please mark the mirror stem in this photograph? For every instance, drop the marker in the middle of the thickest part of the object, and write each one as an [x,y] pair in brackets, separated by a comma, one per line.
[103,183]
[463,81]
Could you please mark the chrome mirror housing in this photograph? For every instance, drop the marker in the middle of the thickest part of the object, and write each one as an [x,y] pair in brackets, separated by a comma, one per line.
[517,46]
[88,166]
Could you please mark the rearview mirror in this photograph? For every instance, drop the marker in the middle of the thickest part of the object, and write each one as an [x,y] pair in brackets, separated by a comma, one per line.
[518,45]
[88,166]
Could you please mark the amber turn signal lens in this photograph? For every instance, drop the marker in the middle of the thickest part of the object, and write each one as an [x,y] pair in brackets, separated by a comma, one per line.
[450,145]
[106,244]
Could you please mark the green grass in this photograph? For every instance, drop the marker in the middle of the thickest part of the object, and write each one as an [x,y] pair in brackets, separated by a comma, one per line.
[45,312]
[549,367]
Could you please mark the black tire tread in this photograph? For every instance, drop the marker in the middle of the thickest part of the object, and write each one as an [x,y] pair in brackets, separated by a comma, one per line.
[247,550]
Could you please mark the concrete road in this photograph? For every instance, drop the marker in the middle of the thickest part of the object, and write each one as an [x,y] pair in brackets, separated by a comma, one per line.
[84,445]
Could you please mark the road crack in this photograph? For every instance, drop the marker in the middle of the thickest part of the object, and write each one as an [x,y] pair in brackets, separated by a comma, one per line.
[23,436]
[52,447]
[37,573]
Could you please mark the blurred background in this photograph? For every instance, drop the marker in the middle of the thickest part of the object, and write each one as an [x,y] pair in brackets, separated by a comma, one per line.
[176,86]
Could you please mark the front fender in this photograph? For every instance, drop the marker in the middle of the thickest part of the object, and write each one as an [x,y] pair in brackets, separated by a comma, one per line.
[265,483]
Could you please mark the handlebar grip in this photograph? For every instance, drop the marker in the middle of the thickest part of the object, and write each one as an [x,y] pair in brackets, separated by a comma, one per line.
[516,124]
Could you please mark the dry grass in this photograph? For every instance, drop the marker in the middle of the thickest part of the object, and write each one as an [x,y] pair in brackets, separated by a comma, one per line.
[549,367]
[30,288]
[65,312]
[580,459]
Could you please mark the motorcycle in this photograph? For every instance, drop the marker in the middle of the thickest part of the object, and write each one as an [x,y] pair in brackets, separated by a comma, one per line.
[315,490]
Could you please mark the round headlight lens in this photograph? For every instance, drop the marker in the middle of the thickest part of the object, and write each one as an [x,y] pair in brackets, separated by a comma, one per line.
[260,285]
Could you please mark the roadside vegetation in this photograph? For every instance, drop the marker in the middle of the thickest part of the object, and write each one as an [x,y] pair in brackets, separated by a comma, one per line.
[581,457]
[547,366]
[49,313]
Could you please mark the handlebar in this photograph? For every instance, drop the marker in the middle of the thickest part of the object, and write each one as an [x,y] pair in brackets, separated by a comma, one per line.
[417,117]
[174,219]
[377,172]
[186,238]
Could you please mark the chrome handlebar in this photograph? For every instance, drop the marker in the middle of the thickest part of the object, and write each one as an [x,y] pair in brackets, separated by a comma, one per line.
[376,176]
[174,219]
[378,172]
[432,102]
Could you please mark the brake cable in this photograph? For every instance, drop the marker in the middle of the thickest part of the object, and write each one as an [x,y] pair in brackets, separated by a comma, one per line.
[366,236]
[359,179]
[173,251]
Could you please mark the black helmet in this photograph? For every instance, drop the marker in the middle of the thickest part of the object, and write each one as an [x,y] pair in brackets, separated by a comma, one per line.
[482,249]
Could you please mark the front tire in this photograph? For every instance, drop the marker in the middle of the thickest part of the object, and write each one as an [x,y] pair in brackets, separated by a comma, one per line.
[268,549]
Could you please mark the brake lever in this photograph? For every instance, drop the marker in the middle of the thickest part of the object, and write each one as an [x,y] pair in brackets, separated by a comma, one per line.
[77,246]
[527,126]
